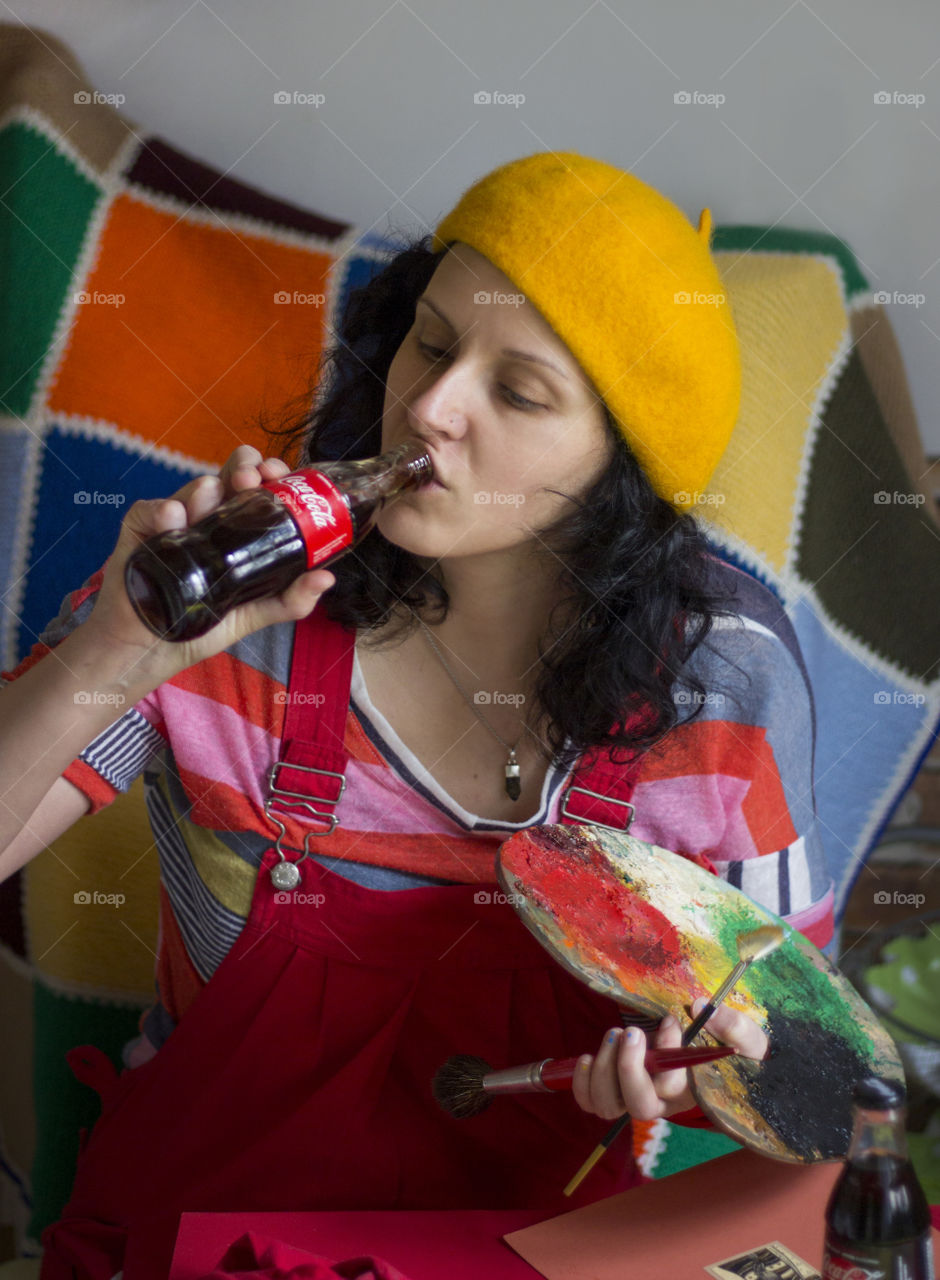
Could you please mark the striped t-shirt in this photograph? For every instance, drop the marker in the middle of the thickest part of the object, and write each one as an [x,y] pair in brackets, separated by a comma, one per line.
[735,784]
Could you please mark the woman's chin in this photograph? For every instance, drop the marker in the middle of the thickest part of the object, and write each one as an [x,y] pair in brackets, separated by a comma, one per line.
[413,532]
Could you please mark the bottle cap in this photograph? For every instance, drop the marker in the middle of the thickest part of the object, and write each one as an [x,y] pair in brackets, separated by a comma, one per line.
[877,1094]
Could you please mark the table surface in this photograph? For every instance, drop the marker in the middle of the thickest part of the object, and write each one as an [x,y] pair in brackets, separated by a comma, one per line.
[424,1244]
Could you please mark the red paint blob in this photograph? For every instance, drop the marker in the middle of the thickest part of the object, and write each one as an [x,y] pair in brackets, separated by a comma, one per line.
[613,926]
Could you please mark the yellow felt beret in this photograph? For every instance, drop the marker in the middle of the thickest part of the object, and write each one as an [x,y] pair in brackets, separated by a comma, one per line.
[631,288]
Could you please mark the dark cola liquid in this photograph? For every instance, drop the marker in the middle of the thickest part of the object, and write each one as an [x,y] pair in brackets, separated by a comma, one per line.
[183,582]
[878,1223]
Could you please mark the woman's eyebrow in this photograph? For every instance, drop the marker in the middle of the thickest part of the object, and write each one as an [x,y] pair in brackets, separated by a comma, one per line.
[507,351]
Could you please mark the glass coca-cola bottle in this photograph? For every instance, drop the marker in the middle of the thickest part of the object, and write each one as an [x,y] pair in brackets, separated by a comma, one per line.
[877,1218]
[181,583]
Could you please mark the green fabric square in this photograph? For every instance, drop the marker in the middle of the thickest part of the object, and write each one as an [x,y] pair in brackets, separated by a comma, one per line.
[687,1147]
[63,1105]
[869,518]
[45,207]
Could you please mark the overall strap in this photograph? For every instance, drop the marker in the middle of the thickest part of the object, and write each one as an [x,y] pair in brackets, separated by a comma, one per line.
[600,791]
[309,777]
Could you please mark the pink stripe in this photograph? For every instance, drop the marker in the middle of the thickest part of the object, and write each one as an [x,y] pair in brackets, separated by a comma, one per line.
[376,799]
[816,922]
[219,744]
[697,813]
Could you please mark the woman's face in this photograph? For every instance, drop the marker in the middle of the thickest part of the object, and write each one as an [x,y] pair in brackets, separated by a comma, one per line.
[504,407]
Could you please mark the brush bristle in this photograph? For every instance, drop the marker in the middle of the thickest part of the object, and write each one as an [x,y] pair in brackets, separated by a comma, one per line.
[761,942]
[458,1086]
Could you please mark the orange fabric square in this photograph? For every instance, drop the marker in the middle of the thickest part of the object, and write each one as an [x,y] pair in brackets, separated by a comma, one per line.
[183,339]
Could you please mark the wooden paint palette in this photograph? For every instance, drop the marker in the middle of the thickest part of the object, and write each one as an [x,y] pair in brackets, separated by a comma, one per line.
[652,930]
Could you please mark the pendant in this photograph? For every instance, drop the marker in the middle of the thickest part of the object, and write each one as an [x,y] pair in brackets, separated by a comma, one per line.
[513,781]
[285,875]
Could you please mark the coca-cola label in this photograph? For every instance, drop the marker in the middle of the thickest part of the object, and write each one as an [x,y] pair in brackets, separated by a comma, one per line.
[910,1260]
[319,511]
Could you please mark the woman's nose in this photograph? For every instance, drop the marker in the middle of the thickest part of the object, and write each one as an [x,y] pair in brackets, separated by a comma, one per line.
[442,406]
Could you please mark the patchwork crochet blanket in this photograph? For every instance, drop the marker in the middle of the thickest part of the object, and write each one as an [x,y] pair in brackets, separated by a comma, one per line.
[154,305]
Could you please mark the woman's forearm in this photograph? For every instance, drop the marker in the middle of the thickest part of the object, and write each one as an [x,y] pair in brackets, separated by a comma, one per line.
[51,713]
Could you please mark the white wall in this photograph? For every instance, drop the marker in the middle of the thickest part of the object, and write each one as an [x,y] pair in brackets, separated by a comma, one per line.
[798,139]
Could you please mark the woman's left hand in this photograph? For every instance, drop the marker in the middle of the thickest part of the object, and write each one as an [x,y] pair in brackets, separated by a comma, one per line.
[614,1080]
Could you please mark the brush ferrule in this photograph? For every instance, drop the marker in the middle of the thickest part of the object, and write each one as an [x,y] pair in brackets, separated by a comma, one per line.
[524,1079]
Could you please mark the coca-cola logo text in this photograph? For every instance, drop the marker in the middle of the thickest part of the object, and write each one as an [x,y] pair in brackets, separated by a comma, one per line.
[837,1269]
[319,507]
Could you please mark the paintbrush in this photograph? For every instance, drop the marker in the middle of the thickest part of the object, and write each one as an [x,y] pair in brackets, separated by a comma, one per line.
[752,945]
[465,1085]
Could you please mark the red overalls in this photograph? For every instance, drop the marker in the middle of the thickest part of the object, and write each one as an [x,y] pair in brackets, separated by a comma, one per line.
[300,1078]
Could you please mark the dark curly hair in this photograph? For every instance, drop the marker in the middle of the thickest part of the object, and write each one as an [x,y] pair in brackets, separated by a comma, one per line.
[634,575]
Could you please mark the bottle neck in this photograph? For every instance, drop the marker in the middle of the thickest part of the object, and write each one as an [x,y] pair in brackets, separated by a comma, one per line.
[878,1132]
[404,466]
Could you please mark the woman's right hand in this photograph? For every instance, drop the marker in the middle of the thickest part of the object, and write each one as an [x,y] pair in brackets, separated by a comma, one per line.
[113,621]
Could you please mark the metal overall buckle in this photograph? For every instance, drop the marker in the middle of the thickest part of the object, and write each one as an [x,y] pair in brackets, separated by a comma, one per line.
[285,875]
[597,796]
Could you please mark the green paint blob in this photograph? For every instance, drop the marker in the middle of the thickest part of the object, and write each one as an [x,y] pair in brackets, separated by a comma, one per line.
[790,984]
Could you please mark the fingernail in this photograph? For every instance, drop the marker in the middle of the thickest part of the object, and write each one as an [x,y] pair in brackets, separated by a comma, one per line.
[633,1034]
[585,1062]
[612,1035]
[669,1022]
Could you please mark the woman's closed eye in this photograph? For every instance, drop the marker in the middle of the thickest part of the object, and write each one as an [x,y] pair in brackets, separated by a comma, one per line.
[514,398]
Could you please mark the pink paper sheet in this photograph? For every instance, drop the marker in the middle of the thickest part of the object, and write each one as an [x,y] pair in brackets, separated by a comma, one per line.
[671,1229]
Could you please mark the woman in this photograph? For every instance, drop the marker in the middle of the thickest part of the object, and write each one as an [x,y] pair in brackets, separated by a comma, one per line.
[531,610]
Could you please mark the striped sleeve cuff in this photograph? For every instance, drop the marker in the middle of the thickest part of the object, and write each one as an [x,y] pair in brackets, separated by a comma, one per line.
[111,762]
[123,750]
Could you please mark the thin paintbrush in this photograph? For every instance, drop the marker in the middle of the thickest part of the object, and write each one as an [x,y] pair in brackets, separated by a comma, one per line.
[752,946]
[466,1085]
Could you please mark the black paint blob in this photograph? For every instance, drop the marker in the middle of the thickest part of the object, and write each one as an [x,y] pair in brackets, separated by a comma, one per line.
[804,1089]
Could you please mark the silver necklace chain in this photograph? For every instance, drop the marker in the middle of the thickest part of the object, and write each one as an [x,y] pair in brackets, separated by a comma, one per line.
[513,778]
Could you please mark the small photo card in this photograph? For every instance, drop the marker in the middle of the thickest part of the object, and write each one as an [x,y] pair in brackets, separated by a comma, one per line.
[772,1261]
